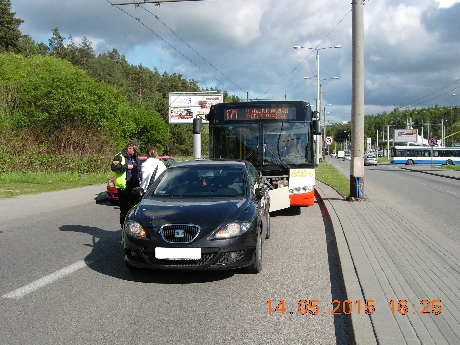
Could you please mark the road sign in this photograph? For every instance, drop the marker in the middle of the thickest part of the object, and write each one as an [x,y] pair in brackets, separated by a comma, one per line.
[329,140]
[432,141]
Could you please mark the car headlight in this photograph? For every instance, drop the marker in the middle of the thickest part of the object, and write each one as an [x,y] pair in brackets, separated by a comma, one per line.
[230,230]
[135,229]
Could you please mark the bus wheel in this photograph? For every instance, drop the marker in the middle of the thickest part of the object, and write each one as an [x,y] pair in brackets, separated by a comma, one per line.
[410,162]
[449,162]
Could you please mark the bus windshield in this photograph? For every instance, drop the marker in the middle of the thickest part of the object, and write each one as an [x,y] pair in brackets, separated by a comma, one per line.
[236,141]
[286,143]
[283,143]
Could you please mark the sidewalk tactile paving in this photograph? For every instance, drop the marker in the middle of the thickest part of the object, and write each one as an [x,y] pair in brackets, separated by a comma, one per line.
[397,256]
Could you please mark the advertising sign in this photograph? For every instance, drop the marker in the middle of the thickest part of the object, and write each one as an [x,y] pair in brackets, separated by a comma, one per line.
[405,135]
[185,106]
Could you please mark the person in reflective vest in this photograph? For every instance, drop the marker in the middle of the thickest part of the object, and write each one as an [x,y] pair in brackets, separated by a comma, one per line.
[127,171]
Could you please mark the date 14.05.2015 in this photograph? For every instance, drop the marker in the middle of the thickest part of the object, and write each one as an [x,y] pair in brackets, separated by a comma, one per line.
[347,307]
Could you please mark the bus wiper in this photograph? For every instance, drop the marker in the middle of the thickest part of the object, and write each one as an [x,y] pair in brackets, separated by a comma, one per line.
[277,157]
[251,152]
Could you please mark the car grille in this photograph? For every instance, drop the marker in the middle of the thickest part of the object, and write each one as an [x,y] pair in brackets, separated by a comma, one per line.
[179,233]
[205,260]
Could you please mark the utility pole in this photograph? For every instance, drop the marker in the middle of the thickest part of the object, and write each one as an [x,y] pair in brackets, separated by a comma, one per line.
[357,102]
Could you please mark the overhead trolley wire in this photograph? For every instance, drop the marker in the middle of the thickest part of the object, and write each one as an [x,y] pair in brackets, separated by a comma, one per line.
[419,101]
[197,53]
[169,44]
[301,62]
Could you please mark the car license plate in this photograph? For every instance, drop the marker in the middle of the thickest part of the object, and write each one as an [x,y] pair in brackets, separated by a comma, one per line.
[178,253]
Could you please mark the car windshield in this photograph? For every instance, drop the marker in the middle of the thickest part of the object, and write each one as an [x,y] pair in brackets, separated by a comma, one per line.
[200,182]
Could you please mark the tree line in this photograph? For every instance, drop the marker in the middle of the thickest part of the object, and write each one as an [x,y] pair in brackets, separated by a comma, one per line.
[64,107]
[428,121]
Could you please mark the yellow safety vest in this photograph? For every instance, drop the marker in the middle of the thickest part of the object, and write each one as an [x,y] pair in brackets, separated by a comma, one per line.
[120,178]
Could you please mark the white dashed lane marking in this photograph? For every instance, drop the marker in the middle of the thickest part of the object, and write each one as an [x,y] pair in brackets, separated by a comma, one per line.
[50,278]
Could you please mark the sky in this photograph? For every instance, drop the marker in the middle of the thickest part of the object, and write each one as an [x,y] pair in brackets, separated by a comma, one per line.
[246,47]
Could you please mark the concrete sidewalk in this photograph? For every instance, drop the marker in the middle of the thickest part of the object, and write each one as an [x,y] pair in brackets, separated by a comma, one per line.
[394,259]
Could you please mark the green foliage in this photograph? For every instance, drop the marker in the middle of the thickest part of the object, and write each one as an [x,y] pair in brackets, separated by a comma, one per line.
[70,109]
[9,28]
[428,119]
[150,129]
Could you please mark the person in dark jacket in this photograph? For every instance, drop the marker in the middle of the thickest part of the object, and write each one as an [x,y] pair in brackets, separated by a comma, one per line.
[127,171]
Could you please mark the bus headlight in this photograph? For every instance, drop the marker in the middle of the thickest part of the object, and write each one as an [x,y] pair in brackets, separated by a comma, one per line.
[301,190]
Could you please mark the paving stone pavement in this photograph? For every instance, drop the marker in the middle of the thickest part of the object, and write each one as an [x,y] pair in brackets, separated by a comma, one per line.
[387,256]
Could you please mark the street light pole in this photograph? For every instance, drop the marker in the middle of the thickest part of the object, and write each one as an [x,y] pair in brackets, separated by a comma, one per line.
[318,101]
[451,122]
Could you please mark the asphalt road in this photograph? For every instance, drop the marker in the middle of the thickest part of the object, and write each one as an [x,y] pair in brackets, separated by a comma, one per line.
[63,281]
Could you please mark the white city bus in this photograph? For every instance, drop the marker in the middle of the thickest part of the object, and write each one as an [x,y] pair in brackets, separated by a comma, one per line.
[410,155]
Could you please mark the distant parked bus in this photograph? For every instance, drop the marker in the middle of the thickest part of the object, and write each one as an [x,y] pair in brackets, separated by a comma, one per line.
[410,155]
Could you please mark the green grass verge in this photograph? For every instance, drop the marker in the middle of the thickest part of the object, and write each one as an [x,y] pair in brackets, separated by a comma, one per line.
[20,183]
[450,167]
[328,174]
[15,184]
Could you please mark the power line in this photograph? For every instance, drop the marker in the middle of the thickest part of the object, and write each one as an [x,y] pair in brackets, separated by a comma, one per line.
[169,44]
[197,53]
[419,101]
[311,52]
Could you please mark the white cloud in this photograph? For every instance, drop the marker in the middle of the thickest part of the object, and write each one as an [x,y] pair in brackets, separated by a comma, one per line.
[245,46]
[447,3]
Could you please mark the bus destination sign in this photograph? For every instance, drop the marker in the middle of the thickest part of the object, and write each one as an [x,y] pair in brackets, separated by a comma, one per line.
[285,113]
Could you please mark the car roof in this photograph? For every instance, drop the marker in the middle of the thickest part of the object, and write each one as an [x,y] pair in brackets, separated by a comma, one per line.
[211,163]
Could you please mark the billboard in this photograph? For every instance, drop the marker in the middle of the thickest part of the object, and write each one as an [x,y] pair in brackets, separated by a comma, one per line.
[185,106]
[405,135]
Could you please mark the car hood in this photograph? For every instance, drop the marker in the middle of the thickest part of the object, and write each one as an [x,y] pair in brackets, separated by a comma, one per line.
[207,214]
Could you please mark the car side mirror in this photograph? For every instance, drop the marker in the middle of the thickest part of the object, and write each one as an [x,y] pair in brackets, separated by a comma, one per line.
[260,193]
[139,192]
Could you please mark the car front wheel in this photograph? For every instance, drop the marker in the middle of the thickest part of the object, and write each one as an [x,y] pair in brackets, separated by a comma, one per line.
[256,264]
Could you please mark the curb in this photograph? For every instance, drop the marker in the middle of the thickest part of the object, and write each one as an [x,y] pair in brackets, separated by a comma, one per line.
[359,328]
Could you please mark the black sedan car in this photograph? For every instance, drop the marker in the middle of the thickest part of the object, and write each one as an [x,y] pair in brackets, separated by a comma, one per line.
[203,214]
